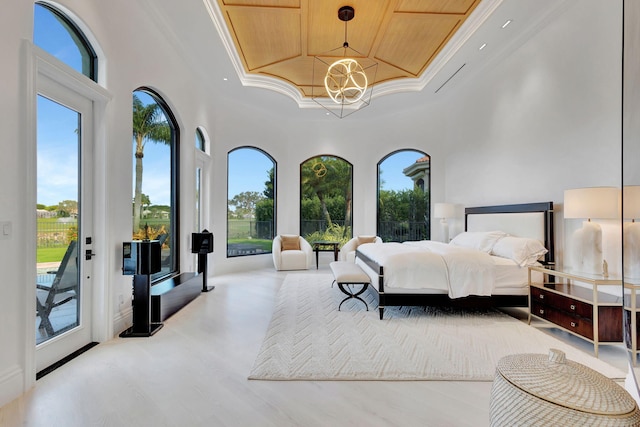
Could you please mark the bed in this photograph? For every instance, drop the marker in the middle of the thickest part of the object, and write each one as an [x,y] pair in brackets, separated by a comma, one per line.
[485,266]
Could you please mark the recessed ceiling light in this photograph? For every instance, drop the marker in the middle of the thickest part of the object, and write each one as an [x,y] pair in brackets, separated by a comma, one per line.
[483,46]
[506,23]
[225,79]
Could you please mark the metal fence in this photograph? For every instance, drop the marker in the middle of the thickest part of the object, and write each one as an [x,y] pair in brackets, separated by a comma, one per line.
[310,226]
[389,231]
[55,234]
[401,231]
[249,229]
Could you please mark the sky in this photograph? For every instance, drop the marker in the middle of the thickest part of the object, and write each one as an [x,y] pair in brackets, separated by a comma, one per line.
[248,170]
[57,125]
[391,170]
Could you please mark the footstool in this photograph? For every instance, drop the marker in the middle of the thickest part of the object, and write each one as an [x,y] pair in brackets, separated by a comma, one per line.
[348,273]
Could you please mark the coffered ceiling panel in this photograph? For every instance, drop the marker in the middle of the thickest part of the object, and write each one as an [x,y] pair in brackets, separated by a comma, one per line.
[411,40]
[265,35]
[279,38]
[326,31]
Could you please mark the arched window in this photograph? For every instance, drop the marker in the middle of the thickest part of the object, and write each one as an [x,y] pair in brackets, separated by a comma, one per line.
[59,36]
[326,189]
[200,141]
[251,201]
[404,196]
[155,172]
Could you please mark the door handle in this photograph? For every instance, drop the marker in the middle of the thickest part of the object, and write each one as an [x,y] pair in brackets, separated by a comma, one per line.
[88,254]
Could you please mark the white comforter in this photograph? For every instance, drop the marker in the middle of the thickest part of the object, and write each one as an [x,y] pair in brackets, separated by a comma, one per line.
[433,265]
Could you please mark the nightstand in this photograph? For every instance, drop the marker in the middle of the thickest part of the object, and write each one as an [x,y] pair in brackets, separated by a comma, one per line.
[576,303]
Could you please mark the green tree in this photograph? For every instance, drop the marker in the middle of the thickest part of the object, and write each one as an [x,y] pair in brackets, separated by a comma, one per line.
[269,188]
[245,203]
[149,124]
[66,208]
[326,178]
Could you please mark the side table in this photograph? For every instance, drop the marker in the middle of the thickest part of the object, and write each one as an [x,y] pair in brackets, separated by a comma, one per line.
[325,246]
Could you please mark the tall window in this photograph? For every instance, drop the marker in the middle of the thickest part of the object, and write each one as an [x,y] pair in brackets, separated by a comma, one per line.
[404,196]
[155,171]
[251,201]
[326,187]
[201,160]
[52,29]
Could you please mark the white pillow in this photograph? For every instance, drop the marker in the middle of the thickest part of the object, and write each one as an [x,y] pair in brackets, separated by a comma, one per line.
[480,240]
[523,251]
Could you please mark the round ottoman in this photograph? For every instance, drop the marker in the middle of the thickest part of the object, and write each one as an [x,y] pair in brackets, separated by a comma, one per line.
[541,390]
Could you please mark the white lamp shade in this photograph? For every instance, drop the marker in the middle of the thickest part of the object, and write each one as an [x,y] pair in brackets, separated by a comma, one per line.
[593,202]
[631,201]
[444,210]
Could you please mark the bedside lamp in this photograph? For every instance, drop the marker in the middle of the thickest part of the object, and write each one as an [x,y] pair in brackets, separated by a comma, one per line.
[590,203]
[444,211]
[631,231]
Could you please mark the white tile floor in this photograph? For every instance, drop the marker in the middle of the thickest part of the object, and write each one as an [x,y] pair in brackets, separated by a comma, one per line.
[194,373]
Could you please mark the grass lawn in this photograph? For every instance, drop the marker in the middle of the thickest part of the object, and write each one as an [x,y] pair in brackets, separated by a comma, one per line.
[50,254]
[258,243]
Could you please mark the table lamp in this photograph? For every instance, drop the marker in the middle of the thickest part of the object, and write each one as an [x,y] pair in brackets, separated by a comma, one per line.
[444,211]
[590,203]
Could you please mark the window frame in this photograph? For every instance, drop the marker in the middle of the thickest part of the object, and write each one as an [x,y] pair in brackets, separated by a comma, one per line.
[428,188]
[350,235]
[274,231]
[75,32]
[202,161]
[174,224]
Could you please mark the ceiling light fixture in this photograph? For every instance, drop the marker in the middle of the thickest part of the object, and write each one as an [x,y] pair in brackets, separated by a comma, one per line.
[483,46]
[506,23]
[347,83]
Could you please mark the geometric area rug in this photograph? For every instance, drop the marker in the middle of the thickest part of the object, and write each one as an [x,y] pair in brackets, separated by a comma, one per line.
[309,339]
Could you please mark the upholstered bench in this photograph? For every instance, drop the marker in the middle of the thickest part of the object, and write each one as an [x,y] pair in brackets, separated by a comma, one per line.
[348,273]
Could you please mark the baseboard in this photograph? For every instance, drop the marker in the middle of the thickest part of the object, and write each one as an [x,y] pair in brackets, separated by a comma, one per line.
[11,384]
[122,320]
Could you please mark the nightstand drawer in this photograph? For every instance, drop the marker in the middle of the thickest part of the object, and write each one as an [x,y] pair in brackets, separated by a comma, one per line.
[562,303]
[571,322]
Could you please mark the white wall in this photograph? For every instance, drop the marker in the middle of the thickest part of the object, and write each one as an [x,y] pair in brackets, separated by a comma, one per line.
[543,120]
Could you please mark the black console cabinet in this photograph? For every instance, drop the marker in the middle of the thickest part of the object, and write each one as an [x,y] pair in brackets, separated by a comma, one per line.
[141,259]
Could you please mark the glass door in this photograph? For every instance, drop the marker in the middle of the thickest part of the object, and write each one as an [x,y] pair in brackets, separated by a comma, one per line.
[64,246]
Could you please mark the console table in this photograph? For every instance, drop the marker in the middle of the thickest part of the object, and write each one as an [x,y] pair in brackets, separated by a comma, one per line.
[581,309]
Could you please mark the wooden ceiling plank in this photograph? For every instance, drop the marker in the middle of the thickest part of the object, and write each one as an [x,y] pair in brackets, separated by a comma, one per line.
[411,40]
[326,31]
[457,7]
[259,3]
[266,35]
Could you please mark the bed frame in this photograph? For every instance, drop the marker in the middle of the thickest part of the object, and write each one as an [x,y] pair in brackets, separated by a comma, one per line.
[486,218]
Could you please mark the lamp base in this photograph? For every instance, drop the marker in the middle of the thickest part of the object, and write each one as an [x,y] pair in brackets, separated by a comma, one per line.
[445,230]
[588,248]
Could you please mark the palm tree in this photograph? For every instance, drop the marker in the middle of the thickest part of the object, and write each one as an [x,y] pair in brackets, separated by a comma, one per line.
[149,124]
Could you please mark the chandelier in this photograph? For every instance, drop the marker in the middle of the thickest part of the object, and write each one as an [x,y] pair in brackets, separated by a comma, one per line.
[347,78]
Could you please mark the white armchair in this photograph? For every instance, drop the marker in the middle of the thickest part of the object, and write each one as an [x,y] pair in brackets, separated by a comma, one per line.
[291,252]
[348,250]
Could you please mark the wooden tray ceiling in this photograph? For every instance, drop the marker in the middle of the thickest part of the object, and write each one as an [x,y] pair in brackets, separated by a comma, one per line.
[279,38]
